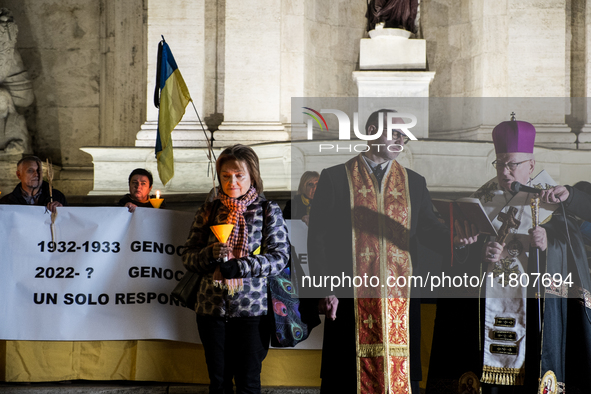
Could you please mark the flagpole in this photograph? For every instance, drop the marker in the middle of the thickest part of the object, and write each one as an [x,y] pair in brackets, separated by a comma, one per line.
[209,143]
[164,150]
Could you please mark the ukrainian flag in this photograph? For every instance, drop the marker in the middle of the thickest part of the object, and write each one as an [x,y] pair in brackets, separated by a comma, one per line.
[171,96]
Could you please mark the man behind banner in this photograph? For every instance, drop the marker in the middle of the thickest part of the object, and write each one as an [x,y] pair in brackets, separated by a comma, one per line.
[33,190]
[502,346]
[367,219]
[140,185]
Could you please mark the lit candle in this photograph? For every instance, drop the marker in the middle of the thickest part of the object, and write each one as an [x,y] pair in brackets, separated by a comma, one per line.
[156,202]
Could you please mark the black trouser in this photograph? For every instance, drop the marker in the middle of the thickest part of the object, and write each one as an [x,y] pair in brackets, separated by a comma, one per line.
[234,348]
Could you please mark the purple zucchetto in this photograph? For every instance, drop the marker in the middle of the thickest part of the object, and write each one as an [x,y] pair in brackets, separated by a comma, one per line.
[514,136]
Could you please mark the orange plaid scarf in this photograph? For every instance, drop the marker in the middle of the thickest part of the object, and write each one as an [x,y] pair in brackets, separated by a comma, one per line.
[238,240]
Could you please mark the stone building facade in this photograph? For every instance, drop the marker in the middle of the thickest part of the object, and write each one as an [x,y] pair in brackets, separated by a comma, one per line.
[93,68]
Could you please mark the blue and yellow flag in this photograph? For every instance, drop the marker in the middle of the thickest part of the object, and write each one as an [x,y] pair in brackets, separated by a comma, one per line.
[171,96]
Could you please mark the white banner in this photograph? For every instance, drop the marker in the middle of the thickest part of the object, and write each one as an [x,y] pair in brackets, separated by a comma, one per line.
[107,276]
[298,236]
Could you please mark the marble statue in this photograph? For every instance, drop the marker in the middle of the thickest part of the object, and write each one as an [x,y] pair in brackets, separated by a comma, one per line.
[16,90]
[400,14]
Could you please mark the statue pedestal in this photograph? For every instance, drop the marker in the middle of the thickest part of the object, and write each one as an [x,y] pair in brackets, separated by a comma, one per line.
[389,53]
[404,91]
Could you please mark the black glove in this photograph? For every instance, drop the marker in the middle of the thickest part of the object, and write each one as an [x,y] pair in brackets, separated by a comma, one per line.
[230,269]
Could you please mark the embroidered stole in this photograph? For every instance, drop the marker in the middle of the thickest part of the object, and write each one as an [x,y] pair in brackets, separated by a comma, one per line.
[381,233]
[505,307]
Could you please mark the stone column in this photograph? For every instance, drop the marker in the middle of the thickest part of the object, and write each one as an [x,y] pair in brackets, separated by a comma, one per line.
[584,137]
[514,48]
[182,23]
[508,49]
[252,95]
[293,64]
[536,65]
[123,56]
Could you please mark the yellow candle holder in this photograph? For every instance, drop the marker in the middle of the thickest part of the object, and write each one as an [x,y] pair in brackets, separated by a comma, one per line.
[222,233]
[156,202]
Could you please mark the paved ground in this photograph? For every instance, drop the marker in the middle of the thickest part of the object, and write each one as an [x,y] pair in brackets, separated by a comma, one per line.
[93,387]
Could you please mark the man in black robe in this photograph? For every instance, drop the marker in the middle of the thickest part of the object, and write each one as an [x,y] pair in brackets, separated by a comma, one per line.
[331,238]
[492,340]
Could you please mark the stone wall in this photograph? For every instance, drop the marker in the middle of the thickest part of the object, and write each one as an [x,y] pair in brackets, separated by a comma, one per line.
[498,49]
[60,46]
[332,33]
[86,61]
[512,49]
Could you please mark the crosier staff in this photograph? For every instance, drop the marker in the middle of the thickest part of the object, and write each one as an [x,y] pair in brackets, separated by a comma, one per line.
[50,179]
[535,221]
[50,182]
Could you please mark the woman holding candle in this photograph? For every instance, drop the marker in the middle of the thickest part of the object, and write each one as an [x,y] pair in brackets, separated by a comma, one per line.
[232,294]
[140,185]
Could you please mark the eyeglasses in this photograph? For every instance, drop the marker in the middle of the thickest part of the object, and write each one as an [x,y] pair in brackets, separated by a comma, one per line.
[396,135]
[510,165]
